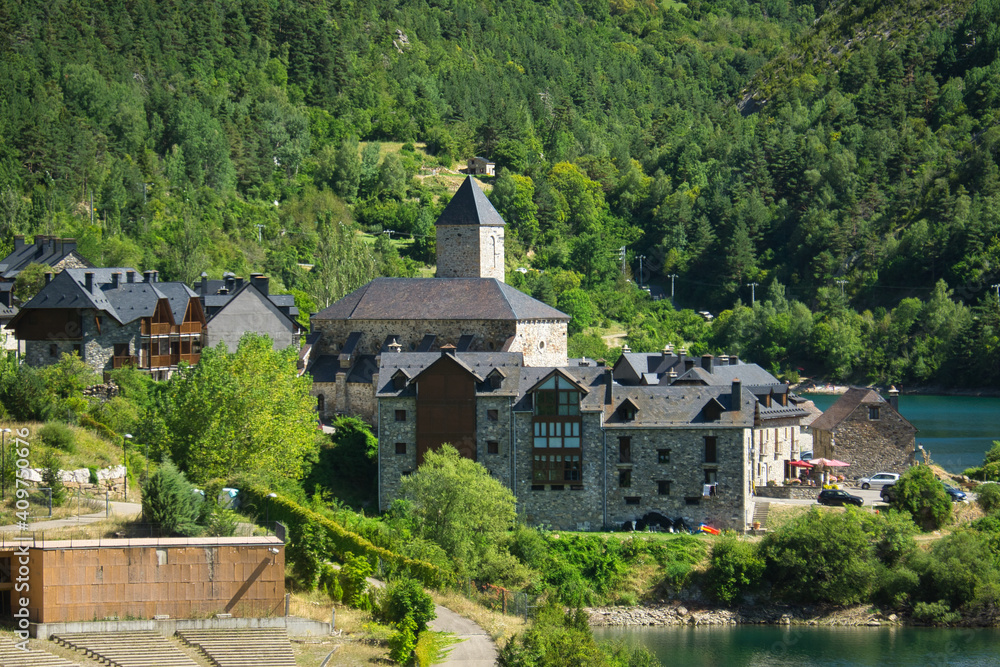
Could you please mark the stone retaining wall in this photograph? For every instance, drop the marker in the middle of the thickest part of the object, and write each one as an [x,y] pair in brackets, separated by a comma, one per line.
[788,492]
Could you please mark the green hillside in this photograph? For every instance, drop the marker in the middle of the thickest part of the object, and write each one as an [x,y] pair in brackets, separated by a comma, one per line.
[839,155]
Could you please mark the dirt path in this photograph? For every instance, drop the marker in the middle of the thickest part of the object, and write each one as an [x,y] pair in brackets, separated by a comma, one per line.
[475,649]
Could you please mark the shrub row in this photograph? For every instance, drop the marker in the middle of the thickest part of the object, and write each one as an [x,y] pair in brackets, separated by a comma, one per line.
[343,542]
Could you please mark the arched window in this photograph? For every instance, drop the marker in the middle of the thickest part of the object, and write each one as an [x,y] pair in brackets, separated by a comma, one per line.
[321,404]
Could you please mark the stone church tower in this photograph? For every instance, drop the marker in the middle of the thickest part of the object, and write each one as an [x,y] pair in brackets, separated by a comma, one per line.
[470,240]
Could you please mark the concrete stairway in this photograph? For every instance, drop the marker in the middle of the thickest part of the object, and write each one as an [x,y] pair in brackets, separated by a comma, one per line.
[248,647]
[140,648]
[760,510]
[12,656]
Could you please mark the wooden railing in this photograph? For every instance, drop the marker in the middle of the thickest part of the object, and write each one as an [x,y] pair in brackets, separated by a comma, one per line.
[191,327]
[121,362]
[164,329]
[166,360]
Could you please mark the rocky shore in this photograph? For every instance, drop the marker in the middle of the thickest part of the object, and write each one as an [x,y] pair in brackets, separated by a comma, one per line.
[676,613]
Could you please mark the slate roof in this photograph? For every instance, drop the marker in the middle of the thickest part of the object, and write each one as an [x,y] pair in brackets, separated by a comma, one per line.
[847,404]
[438,299]
[470,206]
[45,250]
[677,406]
[7,312]
[480,364]
[592,377]
[325,368]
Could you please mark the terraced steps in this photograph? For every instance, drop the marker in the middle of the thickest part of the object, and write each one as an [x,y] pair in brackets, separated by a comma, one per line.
[245,647]
[12,656]
[140,648]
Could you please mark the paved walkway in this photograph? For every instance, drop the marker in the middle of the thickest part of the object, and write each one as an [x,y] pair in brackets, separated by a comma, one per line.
[117,509]
[476,649]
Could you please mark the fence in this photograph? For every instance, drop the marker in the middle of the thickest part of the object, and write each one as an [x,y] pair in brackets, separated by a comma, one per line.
[505,600]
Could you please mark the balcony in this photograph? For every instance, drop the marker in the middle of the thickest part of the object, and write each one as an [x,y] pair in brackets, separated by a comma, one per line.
[168,360]
[154,329]
[122,362]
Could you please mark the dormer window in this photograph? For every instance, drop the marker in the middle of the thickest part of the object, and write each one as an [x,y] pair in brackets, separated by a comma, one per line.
[713,410]
[495,378]
[873,412]
[399,380]
[627,410]
[557,396]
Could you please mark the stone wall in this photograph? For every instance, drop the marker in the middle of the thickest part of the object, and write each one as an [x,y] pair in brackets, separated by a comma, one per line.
[792,491]
[38,352]
[491,252]
[685,472]
[99,347]
[772,445]
[542,342]
[499,431]
[393,466]
[870,446]
[459,251]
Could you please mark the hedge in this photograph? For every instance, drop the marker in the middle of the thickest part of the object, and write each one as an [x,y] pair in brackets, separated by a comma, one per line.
[282,508]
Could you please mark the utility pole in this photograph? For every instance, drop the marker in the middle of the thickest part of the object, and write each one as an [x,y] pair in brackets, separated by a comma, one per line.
[753,293]
[672,276]
[997,288]
[260,238]
[641,257]
[621,256]
[841,282]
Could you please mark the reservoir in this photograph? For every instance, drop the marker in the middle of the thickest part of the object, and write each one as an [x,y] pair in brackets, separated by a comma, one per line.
[811,646]
[956,430]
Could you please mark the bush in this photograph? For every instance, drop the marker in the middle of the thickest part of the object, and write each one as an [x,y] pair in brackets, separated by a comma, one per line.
[221,522]
[169,500]
[402,643]
[736,567]
[934,612]
[353,582]
[58,435]
[52,480]
[406,598]
[921,494]
[959,569]
[988,497]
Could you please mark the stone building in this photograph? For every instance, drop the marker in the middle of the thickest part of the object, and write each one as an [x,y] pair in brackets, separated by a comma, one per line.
[867,431]
[233,307]
[480,166]
[468,306]
[112,318]
[581,450]
[52,251]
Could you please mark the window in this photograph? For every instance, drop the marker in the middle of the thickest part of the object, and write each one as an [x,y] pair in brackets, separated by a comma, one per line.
[78,349]
[557,396]
[711,476]
[400,447]
[631,500]
[663,456]
[663,487]
[710,453]
[492,415]
[537,487]
[624,479]
[692,500]
[556,467]
[399,382]
[495,380]
[625,449]
[492,447]
[401,415]
[873,412]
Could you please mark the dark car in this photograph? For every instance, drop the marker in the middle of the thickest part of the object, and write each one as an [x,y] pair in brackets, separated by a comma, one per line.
[956,495]
[888,493]
[838,497]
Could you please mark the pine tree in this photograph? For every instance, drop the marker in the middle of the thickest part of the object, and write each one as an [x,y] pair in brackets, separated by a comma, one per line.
[169,500]
[51,479]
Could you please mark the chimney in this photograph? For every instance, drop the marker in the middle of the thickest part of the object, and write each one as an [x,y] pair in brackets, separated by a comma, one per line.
[609,381]
[894,398]
[230,282]
[18,241]
[734,360]
[130,276]
[723,359]
[706,362]
[672,375]
[626,349]
[147,276]
[48,277]
[688,364]
[448,350]
[737,394]
[6,298]
[204,284]
[261,282]
[394,346]
[156,276]
[68,245]
[238,283]
[116,279]
[88,281]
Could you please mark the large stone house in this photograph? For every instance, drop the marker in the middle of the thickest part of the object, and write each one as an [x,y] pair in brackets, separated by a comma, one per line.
[234,306]
[867,431]
[112,318]
[468,360]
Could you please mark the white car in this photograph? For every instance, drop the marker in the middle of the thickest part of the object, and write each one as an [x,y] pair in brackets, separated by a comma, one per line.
[878,480]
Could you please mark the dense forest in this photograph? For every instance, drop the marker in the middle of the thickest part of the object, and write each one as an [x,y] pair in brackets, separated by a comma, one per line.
[823,176]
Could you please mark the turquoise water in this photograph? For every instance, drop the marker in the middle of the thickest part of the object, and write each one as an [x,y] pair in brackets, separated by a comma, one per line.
[957,430]
[755,645]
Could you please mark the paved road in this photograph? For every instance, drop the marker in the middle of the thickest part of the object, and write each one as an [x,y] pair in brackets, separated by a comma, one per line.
[871,497]
[117,509]
[476,648]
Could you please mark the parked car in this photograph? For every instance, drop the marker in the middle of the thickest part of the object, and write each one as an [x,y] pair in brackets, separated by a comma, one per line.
[805,456]
[956,495]
[838,497]
[888,493]
[879,479]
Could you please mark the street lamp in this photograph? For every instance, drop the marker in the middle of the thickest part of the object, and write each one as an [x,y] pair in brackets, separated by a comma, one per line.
[267,509]
[125,439]
[3,463]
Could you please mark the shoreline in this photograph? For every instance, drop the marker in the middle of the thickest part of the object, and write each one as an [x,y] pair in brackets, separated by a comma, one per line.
[675,613]
[827,389]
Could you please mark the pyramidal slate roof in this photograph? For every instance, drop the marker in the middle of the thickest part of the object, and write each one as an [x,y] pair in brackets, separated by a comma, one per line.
[470,206]
[439,299]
